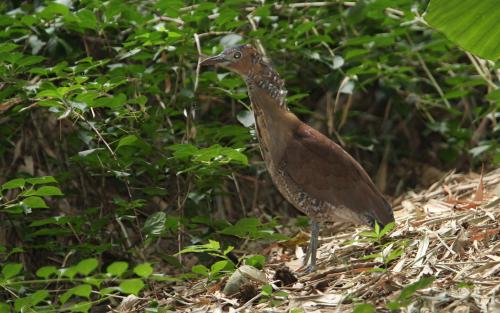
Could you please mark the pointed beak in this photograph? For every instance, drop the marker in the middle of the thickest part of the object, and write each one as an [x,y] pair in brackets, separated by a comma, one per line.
[215,60]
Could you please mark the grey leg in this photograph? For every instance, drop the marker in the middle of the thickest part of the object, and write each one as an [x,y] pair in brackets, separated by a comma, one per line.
[312,248]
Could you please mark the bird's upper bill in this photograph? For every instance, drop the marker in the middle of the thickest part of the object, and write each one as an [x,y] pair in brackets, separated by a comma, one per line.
[238,59]
[215,60]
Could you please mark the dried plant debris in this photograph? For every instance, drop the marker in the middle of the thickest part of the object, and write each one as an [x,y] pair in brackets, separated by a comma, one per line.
[442,256]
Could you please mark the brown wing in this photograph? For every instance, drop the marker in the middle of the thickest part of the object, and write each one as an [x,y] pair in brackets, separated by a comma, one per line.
[327,172]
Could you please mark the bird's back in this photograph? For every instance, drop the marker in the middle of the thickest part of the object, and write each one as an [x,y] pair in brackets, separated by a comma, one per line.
[323,180]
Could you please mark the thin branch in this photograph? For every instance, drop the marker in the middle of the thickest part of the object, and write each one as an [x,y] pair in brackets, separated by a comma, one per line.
[428,72]
[197,75]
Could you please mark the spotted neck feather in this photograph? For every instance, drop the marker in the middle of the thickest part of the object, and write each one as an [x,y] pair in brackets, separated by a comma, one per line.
[264,78]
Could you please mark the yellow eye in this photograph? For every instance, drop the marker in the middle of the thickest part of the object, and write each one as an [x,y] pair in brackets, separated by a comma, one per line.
[237,55]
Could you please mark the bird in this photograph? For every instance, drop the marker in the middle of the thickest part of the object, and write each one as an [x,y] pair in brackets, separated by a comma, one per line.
[312,172]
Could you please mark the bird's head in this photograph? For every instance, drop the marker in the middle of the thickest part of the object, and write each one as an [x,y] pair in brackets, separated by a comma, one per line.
[240,59]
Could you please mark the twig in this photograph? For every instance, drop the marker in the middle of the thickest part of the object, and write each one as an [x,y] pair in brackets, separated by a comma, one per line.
[113,154]
[340,269]
[237,185]
[254,28]
[248,303]
[428,72]
[124,231]
[480,70]
[198,47]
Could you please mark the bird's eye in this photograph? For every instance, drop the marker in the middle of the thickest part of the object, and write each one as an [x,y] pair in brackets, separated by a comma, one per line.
[237,55]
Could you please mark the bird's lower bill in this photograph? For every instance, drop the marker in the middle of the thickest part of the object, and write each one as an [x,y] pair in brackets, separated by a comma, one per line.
[215,60]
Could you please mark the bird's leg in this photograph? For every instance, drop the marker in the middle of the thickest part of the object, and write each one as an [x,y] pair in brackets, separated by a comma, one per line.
[312,248]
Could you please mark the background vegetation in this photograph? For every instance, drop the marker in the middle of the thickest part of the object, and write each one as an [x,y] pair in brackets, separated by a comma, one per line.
[117,152]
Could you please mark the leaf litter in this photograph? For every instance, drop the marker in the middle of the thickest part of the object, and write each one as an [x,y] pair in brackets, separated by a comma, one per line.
[442,256]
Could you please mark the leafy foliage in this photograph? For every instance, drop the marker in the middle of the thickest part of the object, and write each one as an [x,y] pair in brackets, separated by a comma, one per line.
[471,24]
[85,285]
[115,147]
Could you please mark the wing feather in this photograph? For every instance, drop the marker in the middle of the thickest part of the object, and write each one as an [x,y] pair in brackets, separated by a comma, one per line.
[327,172]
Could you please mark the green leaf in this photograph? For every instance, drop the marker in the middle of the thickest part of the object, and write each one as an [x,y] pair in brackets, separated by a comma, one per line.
[200,269]
[82,290]
[212,245]
[143,270]
[267,290]
[46,271]
[65,296]
[364,308]
[30,60]
[47,191]
[387,229]
[50,93]
[81,307]
[87,19]
[41,180]
[117,268]
[218,266]
[409,290]
[14,183]
[474,25]
[494,95]
[127,141]
[155,224]
[38,296]
[69,272]
[256,261]
[86,266]
[7,47]
[10,270]
[22,304]
[132,286]
[54,9]
[4,308]
[183,151]
[34,202]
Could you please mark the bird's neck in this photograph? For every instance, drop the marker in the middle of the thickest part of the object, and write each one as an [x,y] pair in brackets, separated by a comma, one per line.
[266,88]
[273,120]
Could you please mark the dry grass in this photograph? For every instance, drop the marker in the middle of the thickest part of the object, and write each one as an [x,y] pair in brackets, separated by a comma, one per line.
[450,231]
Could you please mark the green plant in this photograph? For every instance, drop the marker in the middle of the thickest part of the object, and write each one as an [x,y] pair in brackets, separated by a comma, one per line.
[275,297]
[377,233]
[405,297]
[84,285]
